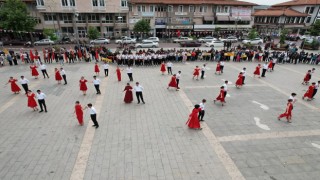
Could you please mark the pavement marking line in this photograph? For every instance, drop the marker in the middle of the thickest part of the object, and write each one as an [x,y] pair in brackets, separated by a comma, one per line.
[303,74]
[224,157]
[218,86]
[80,165]
[281,91]
[262,126]
[315,145]
[262,106]
[272,135]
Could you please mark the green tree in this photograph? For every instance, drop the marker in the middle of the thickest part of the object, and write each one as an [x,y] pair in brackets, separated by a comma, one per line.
[15,16]
[49,33]
[283,35]
[315,28]
[142,26]
[93,33]
[253,34]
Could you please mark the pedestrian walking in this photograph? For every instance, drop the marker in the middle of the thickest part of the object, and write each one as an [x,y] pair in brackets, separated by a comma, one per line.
[43,69]
[83,85]
[288,112]
[138,89]
[106,69]
[31,100]
[24,83]
[93,115]
[14,87]
[128,97]
[64,75]
[202,110]
[129,72]
[41,100]
[193,120]
[78,110]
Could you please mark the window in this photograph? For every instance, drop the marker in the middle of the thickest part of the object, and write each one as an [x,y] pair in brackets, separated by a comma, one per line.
[101,2]
[40,3]
[191,8]
[124,3]
[143,8]
[123,19]
[151,8]
[81,18]
[49,17]
[93,18]
[226,9]
[180,8]
[297,20]
[107,19]
[170,8]
[308,19]
[139,8]
[97,3]
[64,2]
[311,10]
[203,9]
[219,9]
[161,9]
[66,18]
[307,10]
[214,9]
[302,20]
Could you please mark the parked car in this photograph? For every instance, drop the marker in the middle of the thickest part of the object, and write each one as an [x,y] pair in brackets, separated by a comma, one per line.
[147,44]
[230,38]
[14,42]
[126,40]
[182,39]
[206,39]
[44,42]
[100,41]
[154,39]
[65,40]
[305,36]
[293,37]
[214,43]
[190,44]
[258,41]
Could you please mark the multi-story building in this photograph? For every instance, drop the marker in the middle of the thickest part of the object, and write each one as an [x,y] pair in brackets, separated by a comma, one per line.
[110,17]
[297,16]
[168,16]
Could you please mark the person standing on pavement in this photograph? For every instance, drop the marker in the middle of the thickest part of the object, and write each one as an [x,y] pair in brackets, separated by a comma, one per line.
[178,76]
[169,67]
[41,100]
[93,115]
[293,97]
[243,75]
[138,88]
[96,83]
[193,120]
[43,68]
[106,69]
[264,69]
[225,88]
[64,76]
[288,113]
[315,90]
[79,112]
[24,83]
[203,70]
[202,110]
[221,66]
[129,72]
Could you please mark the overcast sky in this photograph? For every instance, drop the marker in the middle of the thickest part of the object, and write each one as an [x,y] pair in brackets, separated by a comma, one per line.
[266,2]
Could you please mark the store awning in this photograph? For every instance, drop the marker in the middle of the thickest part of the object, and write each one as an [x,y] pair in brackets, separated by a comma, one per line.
[245,18]
[208,18]
[240,18]
[222,18]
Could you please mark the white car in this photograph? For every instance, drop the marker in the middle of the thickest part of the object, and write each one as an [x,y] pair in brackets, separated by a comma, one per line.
[147,44]
[305,37]
[182,39]
[253,41]
[215,43]
[206,39]
[154,39]
[44,42]
[100,41]
[126,40]
[230,38]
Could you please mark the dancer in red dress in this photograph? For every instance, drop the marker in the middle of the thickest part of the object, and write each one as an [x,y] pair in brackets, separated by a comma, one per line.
[257,71]
[218,68]
[163,68]
[220,96]
[173,83]
[118,71]
[96,69]
[270,65]
[31,100]
[83,85]
[34,71]
[14,87]
[239,81]
[128,97]
[193,120]
[58,76]
[309,92]
[307,78]
[196,72]
[288,113]
[79,112]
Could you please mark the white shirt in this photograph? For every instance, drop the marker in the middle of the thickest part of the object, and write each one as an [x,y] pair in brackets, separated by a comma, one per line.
[138,88]
[221,63]
[265,66]
[24,81]
[105,66]
[96,81]
[243,73]
[129,70]
[169,64]
[293,99]
[40,96]
[178,75]
[62,72]
[92,110]
[202,106]
[43,67]
[316,86]
[225,87]
[203,68]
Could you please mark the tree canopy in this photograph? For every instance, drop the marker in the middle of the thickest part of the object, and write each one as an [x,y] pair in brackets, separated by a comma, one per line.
[142,26]
[50,34]
[315,28]
[283,35]
[253,34]
[93,33]
[14,16]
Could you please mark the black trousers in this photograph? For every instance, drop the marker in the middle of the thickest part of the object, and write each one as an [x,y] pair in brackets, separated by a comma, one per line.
[273,64]
[97,86]
[64,78]
[139,96]
[94,119]
[178,80]
[202,74]
[42,104]
[225,93]
[106,72]
[169,70]
[130,76]
[263,73]
[25,87]
[201,115]
[314,92]
[243,78]
[44,73]
[221,68]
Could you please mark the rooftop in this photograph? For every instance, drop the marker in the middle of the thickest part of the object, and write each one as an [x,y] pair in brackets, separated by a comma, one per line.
[298,3]
[279,12]
[216,2]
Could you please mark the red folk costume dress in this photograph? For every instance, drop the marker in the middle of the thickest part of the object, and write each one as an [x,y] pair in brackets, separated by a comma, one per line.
[173,82]
[221,96]
[196,72]
[79,113]
[307,77]
[163,68]
[288,113]
[118,74]
[34,71]
[257,71]
[83,85]
[218,69]
[14,87]
[58,76]
[309,92]
[270,64]
[31,101]
[239,80]
[96,68]
[128,97]
[193,120]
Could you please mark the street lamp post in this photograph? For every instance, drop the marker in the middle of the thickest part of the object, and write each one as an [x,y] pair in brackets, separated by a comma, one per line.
[75,27]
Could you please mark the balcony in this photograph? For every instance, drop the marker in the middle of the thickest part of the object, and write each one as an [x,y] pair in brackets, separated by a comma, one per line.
[180,14]
[40,8]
